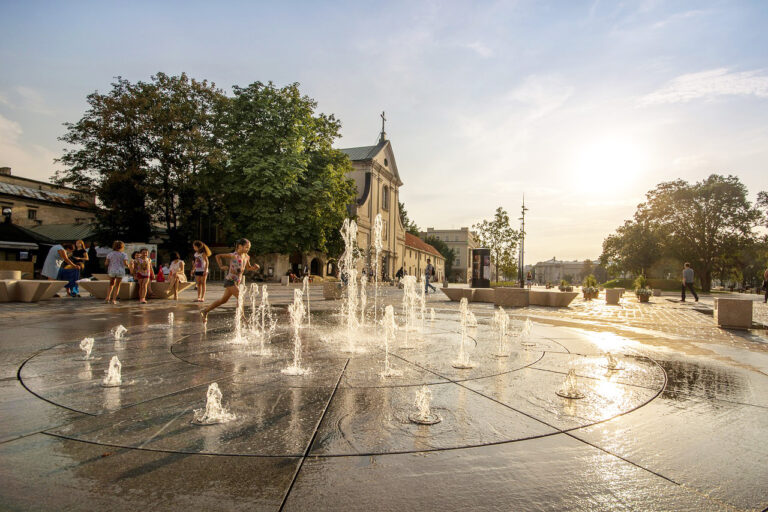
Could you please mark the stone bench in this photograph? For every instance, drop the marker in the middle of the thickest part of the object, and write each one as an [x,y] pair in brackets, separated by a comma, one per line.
[511,297]
[16,290]
[130,290]
[456,294]
[487,295]
[612,295]
[734,313]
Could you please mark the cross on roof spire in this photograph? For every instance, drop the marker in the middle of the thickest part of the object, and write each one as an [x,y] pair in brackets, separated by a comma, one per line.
[383,135]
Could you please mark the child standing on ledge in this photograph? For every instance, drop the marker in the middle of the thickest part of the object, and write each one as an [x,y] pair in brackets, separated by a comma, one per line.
[143,273]
[238,263]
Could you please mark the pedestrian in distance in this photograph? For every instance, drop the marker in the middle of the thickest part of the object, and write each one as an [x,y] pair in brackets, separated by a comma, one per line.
[765,285]
[688,281]
[117,262]
[429,273]
[238,262]
[202,255]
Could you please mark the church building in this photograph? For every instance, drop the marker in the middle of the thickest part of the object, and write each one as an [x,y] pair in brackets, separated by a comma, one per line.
[378,191]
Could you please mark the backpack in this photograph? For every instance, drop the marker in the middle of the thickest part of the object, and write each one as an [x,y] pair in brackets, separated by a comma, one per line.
[433,271]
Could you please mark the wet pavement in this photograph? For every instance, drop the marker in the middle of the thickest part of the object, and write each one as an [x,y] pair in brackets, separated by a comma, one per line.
[681,425]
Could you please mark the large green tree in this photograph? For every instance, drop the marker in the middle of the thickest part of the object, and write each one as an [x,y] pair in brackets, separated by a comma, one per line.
[109,157]
[634,248]
[287,188]
[497,235]
[707,223]
[151,152]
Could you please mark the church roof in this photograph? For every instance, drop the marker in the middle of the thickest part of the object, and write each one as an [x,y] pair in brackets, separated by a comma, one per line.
[417,243]
[48,196]
[364,152]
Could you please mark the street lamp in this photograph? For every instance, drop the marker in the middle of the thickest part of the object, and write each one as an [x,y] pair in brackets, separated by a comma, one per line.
[521,270]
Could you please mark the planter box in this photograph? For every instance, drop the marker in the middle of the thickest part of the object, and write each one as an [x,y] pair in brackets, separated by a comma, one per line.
[643,298]
[612,295]
[332,290]
[590,296]
[511,297]
[735,313]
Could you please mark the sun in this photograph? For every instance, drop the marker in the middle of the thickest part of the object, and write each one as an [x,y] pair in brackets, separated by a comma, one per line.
[608,162]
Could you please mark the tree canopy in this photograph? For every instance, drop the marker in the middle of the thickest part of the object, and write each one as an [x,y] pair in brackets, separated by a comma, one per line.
[705,223]
[173,150]
[497,235]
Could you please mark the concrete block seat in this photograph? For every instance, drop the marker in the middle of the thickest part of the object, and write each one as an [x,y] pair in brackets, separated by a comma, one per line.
[99,289]
[17,290]
[483,295]
[561,299]
[539,297]
[735,313]
[511,297]
[14,275]
[456,294]
[612,295]
[163,290]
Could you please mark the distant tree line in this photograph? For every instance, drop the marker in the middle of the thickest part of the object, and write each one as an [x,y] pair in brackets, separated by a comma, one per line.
[711,224]
[182,156]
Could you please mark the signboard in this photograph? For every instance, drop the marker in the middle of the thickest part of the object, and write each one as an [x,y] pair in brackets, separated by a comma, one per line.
[481,268]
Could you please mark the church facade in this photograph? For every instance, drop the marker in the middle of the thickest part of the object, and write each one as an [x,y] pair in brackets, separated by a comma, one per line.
[378,192]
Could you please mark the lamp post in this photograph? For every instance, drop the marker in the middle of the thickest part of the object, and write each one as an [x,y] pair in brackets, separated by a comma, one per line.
[521,271]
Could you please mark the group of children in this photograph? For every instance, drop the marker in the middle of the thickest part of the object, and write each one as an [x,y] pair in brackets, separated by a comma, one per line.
[141,268]
[234,264]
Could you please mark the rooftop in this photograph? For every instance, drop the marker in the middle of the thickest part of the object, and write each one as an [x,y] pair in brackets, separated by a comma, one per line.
[48,196]
[417,243]
[363,152]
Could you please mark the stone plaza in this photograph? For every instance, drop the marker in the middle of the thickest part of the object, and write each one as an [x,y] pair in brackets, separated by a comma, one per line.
[678,424]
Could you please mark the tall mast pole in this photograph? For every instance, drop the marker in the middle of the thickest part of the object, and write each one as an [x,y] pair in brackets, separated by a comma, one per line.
[521,271]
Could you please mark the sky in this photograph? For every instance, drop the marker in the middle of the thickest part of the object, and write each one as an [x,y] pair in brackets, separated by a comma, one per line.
[581,106]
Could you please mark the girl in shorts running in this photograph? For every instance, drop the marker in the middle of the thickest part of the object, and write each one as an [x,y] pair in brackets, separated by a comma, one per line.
[202,253]
[142,272]
[117,262]
[238,263]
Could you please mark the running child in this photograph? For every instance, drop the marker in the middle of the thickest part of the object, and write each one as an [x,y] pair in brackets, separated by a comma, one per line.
[238,263]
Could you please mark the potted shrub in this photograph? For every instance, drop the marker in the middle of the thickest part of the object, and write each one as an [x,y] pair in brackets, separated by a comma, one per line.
[642,291]
[589,287]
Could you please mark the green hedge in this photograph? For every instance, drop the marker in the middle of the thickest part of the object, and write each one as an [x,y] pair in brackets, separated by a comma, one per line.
[664,284]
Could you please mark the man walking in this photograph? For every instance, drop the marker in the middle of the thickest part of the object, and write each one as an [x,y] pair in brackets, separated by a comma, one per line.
[688,281]
[429,273]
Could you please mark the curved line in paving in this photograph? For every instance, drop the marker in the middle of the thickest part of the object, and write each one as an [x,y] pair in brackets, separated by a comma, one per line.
[556,430]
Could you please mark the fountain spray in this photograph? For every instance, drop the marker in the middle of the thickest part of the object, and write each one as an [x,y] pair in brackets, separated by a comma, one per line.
[462,361]
[118,332]
[86,345]
[296,313]
[170,320]
[389,336]
[424,414]
[305,288]
[113,378]
[214,412]
[349,269]
[363,299]
[378,226]
[570,387]
[501,325]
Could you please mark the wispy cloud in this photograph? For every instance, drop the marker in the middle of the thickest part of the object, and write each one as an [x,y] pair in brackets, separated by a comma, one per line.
[542,93]
[707,85]
[480,48]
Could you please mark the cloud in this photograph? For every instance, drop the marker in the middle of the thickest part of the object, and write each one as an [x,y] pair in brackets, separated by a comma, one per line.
[707,85]
[480,48]
[542,93]
[28,160]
